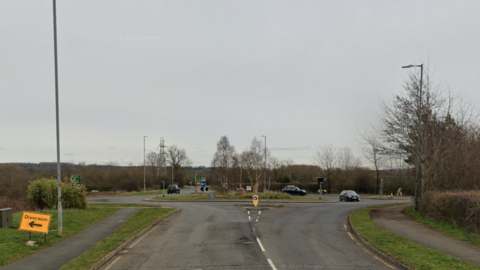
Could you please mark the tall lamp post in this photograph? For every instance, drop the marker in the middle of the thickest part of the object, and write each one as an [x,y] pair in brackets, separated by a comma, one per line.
[419,111]
[144,187]
[59,175]
[265,166]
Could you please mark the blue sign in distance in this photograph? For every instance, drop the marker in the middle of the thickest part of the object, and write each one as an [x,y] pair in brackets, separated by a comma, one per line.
[203,184]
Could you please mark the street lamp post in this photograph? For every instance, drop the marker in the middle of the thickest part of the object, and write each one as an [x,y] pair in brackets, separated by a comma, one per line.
[419,111]
[144,187]
[59,175]
[265,166]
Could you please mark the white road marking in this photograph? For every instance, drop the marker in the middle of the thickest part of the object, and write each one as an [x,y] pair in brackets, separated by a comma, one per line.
[249,212]
[271,264]
[249,219]
[136,242]
[118,258]
[260,244]
[256,220]
[259,213]
[371,254]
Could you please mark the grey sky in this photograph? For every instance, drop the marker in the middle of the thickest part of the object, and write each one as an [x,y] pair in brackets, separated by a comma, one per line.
[303,73]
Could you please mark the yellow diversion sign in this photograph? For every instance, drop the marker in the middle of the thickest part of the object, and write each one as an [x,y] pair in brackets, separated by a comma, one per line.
[34,222]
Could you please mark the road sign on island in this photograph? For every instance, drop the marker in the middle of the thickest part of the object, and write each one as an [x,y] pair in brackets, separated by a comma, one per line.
[34,222]
[255,200]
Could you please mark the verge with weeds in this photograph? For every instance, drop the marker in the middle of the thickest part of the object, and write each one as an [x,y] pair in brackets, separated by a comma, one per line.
[131,227]
[445,227]
[403,250]
[12,244]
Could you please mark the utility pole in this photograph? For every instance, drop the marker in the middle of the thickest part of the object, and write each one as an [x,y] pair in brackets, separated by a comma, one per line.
[163,155]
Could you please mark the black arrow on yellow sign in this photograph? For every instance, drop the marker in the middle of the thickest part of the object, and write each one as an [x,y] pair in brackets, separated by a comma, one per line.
[33,224]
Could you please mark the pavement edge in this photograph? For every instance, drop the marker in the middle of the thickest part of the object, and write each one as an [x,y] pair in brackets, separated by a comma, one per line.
[374,249]
[102,261]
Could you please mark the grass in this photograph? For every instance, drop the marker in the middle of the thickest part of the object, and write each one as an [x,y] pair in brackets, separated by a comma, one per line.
[12,244]
[118,205]
[445,227]
[403,250]
[124,193]
[140,193]
[132,226]
[235,196]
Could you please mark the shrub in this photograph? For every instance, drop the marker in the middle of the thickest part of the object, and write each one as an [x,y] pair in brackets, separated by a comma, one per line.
[127,185]
[43,193]
[460,208]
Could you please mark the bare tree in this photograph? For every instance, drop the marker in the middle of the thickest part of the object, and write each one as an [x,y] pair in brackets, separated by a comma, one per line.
[278,166]
[177,158]
[252,162]
[347,162]
[224,161]
[153,161]
[433,121]
[371,151]
[326,158]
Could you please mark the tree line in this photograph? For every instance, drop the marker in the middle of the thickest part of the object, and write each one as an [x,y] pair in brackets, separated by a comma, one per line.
[430,131]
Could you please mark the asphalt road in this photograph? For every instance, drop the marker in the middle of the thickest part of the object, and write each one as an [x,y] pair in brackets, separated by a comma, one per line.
[227,235]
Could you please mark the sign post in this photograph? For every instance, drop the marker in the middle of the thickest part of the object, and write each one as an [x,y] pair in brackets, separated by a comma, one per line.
[321,181]
[33,222]
[76,180]
[255,200]
[203,184]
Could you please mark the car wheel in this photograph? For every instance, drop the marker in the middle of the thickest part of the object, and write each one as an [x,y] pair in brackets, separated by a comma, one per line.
[340,198]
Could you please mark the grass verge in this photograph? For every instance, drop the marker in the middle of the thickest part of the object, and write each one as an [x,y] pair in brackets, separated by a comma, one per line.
[445,227]
[274,196]
[403,250]
[120,205]
[132,226]
[12,244]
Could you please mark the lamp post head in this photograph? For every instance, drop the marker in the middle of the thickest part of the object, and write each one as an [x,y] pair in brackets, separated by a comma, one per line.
[410,66]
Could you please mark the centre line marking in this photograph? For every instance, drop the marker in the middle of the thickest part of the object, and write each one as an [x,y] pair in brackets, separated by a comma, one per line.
[260,244]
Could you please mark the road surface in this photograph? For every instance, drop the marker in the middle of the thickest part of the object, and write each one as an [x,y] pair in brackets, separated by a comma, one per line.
[228,235]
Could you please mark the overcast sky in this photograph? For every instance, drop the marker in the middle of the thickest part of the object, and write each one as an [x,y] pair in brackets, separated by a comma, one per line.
[304,73]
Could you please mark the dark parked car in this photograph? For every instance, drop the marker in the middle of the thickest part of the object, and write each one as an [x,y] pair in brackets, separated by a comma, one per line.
[173,189]
[349,195]
[293,190]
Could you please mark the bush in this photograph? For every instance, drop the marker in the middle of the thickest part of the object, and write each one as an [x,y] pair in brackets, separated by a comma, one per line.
[43,193]
[127,185]
[460,208]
